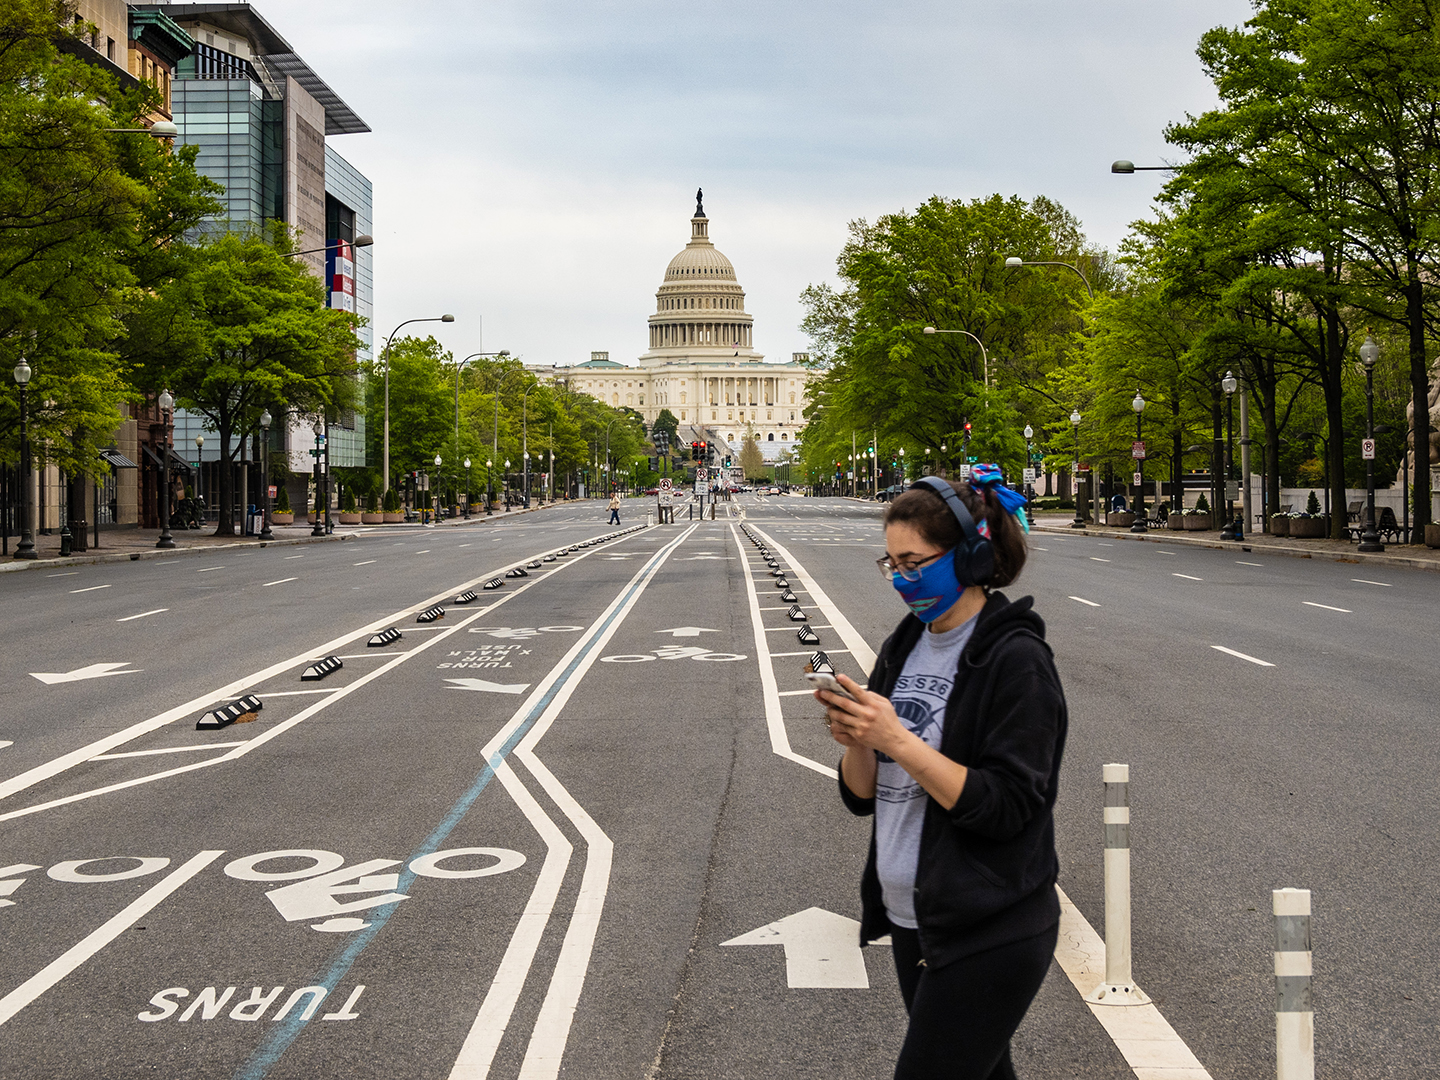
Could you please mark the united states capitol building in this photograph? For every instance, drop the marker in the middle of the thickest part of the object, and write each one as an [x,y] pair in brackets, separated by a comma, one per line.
[701,363]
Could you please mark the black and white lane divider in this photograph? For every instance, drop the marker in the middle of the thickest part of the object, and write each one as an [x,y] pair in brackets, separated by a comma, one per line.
[430,614]
[384,637]
[1294,1011]
[518,571]
[807,636]
[795,614]
[1119,987]
[318,670]
[237,712]
[466,597]
[494,583]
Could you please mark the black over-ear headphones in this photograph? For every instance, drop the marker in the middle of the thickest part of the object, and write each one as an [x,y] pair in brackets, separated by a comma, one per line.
[974,557]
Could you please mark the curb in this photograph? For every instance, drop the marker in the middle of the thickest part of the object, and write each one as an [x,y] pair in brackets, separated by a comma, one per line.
[1353,557]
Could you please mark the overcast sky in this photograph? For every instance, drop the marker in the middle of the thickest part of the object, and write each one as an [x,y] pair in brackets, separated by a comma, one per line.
[535,162]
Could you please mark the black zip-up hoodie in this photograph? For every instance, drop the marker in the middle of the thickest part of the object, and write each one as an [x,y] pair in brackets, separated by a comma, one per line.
[987,867]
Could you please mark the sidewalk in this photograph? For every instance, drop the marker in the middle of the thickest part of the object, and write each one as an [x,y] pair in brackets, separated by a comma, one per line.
[1411,556]
[121,545]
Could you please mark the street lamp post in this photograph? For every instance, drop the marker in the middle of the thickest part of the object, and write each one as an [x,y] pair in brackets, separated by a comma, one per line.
[1138,404]
[265,420]
[435,502]
[1079,522]
[1369,353]
[26,548]
[459,368]
[1029,463]
[489,483]
[469,486]
[319,529]
[525,439]
[507,485]
[984,356]
[199,464]
[385,359]
[1229,384]
[166,404]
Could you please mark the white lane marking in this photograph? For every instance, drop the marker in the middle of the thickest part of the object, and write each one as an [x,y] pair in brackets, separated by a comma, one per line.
[92,588]
[67,573]
[1242,656]
[427,550]
[64,762]
[1187,577]
[1040,549]
[6,742]
[1242,562]
[289,557]
[305,693]
[792,693]
[209,568]
[774,715]
[1382,584]
[1165,553]
[282,581]
[809,653]
[168,749]
[97,939]
[1327,607]
[142,614]
[1096,558]
[1082,600]
[367,562]
[1144,1038]
[1102,544]
[548,1037]
[822,949]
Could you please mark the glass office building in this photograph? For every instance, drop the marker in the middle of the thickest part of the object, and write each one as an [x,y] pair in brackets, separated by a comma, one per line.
[262,120]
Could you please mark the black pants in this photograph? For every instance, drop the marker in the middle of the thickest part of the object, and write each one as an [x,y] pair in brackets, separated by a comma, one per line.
[614,517]
[963,1015]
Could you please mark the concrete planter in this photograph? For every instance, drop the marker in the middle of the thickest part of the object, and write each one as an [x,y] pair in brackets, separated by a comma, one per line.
[372,517]
[1308,528]
[347,518]
[1432,536]
[1280,525]
[1120,519]
[394,517]
[282,517]
[1175,522]
[1197,522]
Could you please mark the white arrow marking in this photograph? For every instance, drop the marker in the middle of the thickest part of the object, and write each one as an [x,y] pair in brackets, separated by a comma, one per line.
[315,897]
[489,687]
[93,671]
[688,631]
[6,742]
[822,949]
[8,887]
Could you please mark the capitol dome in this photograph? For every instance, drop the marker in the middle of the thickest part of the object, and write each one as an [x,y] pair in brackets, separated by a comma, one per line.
[700,306]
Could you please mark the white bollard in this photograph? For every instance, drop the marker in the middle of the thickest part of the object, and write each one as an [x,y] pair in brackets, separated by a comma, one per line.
[1118,988]
[649,519]
[1294,1013]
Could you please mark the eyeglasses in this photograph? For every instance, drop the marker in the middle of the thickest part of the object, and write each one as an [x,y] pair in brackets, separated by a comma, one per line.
[910,571]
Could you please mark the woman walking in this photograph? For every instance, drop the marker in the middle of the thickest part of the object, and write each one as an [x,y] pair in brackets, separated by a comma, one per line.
[955,749]
[615,508]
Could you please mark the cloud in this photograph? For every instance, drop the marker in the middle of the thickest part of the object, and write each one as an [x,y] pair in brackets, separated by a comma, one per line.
[535,163]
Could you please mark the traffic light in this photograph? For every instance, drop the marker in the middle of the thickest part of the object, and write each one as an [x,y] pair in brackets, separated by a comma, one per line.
[727,461]
[967,429]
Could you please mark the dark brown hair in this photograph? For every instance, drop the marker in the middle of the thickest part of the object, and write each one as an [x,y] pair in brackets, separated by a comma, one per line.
[927,512]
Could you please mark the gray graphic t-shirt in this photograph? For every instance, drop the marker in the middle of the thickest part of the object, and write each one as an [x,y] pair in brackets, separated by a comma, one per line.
[919,698]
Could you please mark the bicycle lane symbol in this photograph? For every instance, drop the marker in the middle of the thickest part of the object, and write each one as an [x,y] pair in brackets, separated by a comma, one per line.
[674,652]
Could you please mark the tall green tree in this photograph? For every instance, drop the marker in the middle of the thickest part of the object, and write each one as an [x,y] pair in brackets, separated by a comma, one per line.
[242,329]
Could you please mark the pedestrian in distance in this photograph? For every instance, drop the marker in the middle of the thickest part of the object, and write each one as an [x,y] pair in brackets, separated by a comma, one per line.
[615,508]
[955,750]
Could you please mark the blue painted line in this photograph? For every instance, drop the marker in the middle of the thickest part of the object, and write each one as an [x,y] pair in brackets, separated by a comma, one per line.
[268,1053]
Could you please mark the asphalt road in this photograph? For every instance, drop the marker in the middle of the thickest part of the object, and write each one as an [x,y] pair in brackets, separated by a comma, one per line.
[515,842]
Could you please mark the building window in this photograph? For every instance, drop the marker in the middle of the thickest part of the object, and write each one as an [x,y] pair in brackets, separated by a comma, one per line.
[682,414]
[642,399]
[784,436]
[770,437]
[682,397]
[769,415]
[629,399]
[712,414]
[615,400]
[792,399]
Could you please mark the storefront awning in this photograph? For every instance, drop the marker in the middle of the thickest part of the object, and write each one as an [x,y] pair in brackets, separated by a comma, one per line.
[176,461]
[117,459]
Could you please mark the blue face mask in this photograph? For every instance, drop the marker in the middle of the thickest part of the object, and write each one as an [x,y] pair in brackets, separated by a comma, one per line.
[935,593]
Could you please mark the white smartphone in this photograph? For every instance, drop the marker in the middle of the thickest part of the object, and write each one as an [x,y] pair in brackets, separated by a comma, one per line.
[823,681]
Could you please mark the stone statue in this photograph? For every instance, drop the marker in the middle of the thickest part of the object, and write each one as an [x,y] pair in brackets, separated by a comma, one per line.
[699,208]
[1434,408]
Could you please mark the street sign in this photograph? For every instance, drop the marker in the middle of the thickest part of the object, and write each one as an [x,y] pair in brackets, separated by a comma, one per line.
[700,474]
[666,497]
[1029,476]
[1367,449]
[964,472]
[665,484]
[1137,450]
[1139,479]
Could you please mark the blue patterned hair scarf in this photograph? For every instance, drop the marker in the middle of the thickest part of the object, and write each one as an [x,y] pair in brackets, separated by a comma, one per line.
[988,477]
